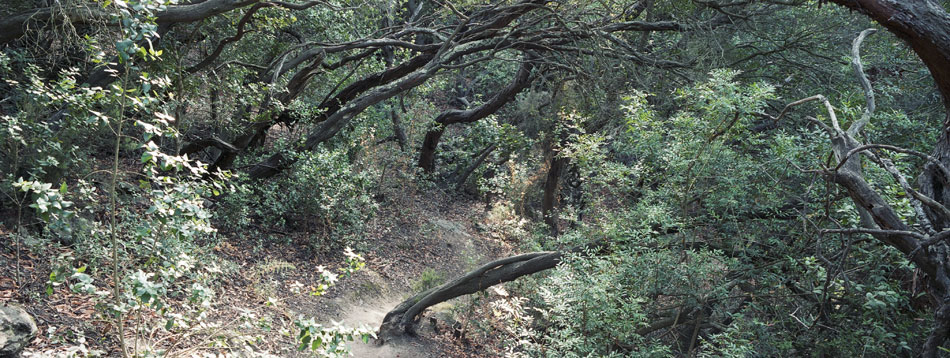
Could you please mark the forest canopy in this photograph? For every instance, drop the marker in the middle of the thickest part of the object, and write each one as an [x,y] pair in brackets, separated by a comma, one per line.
[577,178]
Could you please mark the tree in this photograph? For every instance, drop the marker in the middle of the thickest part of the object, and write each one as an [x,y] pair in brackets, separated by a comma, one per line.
[650,140]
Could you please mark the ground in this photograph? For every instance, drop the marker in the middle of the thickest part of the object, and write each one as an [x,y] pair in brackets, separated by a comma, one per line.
[420,237]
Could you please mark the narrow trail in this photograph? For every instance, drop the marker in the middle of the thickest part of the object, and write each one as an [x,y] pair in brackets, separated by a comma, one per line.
[439,241]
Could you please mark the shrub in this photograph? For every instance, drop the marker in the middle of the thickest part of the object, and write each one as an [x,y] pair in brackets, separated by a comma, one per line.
[322,192]
[428,279]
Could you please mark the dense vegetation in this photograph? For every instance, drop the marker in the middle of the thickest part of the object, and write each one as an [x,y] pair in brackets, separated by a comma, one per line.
[682,178]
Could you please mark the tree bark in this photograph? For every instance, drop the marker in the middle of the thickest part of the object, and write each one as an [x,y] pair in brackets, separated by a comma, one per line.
[402,319]
[398,132]
[335,122]
[430,144]
[471,168]
[474,42]
[925,26]
[14,26]
[551,190]
[329,106]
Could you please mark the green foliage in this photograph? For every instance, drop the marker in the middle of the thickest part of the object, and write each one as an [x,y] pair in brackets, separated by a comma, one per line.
[707,203]
[329,341]
[156,239]
[595,305]
[691,204]
[325,194]
[39,150]
[429,278]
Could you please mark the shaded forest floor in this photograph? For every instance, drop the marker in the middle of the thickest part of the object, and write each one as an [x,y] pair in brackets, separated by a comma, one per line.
[419,238]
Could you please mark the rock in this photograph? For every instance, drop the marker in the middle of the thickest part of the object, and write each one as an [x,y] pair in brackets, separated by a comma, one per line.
[17,329]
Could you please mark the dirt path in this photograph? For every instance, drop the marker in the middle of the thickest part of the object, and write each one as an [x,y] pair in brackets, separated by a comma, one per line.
[371,314]
[441,243]
[419,238]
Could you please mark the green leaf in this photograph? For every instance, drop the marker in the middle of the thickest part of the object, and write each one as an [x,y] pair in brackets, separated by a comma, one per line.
[41,204]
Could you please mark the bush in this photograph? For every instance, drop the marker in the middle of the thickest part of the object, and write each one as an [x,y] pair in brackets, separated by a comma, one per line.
[323,192]
[428,279]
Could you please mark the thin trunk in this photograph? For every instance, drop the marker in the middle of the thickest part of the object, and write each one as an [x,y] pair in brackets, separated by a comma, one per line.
[551,191]
[214,105]
[398,130]
[471,168]
[113,227]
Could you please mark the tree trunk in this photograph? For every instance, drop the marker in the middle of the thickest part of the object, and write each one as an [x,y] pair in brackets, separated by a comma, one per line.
[471,168]
[933,181]
[551,191]
[431,143]
[925,26]
[429,146]
[402,319]
[398,130]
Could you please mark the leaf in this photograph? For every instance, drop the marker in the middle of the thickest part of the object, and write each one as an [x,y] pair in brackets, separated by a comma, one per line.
[41,204]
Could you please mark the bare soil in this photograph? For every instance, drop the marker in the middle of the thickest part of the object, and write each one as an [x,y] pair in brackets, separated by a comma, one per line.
[415,231]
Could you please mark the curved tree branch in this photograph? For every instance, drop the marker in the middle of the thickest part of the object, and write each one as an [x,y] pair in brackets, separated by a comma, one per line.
[521,80]
[402,319]
[856,127]
[240,33]
[12,27]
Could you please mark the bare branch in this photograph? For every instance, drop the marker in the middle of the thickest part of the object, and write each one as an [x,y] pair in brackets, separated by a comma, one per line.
[915,203]
[865,84]
[928,158]
[874,232]
[220,47]
[817,97]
